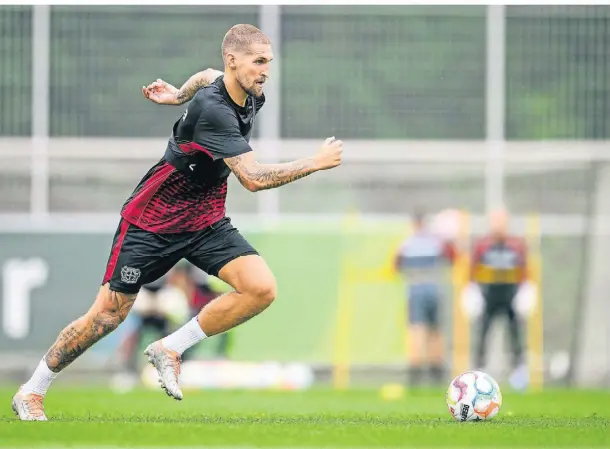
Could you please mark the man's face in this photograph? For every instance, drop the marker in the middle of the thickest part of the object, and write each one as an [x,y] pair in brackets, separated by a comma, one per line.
[252,68]
[498,223]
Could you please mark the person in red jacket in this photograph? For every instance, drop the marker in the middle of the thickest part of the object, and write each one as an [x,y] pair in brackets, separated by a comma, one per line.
[499,274]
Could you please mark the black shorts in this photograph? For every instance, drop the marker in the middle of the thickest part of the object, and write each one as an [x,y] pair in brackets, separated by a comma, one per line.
[139,257]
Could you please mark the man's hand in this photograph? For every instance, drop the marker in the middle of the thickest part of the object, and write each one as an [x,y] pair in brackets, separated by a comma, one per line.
[329,155]
[161,92]
[472,300]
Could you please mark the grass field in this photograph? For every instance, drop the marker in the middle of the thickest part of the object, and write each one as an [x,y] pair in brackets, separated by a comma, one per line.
[313,419]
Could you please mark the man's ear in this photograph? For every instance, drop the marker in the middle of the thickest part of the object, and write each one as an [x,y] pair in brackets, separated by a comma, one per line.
[231,61]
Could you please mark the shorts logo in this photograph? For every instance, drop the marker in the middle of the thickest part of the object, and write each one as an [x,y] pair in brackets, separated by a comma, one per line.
[130,275]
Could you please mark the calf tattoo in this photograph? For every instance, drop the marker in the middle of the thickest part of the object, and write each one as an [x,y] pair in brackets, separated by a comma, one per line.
[81,334]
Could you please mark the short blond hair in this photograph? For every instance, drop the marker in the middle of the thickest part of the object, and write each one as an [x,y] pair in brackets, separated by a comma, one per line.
[240,37]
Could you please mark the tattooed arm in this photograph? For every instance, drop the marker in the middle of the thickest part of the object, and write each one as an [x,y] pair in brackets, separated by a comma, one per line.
[164,93]
[196,82]
[255,176]
[217,130]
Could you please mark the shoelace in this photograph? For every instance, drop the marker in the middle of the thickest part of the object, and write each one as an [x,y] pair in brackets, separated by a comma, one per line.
[173,363]
[34,405]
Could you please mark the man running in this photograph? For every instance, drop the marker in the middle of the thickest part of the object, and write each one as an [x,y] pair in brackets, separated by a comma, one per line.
[178,211]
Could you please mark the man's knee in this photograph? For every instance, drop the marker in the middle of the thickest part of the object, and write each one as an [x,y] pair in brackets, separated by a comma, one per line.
[110,308]
[251,276]
[263,290]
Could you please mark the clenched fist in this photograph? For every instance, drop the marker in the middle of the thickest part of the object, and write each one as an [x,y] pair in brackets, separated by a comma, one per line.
[330,153]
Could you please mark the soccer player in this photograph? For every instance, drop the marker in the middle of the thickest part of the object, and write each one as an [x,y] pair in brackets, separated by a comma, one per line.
[423,259]
[178,211]
[499,275]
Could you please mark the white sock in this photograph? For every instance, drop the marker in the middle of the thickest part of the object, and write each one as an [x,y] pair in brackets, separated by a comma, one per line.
[185,337]
[40,380]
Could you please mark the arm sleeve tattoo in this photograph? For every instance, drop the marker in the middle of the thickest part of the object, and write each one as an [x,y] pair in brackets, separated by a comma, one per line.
[194,83]
[255,176]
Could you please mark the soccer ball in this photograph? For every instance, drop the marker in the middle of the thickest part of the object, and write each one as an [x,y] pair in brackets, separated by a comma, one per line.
[473,396]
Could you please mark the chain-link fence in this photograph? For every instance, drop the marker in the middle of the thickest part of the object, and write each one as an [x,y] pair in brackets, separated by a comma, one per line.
[358,72]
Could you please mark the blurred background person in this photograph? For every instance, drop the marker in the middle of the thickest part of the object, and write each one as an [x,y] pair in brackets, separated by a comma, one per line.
[163,305]
[152,313]
[199,289]
[499,285]
[423,259]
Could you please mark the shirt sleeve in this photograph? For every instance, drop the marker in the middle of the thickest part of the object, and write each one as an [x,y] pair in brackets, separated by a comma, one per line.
[450,251]
[217,130]
[479,249]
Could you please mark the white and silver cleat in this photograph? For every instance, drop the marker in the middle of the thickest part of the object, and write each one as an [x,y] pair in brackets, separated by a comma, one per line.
[28,406]
[167,364]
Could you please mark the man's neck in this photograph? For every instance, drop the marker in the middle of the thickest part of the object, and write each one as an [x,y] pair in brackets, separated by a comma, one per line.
[235,91]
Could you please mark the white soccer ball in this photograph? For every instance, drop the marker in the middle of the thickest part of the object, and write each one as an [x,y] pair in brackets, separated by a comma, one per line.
[474,396]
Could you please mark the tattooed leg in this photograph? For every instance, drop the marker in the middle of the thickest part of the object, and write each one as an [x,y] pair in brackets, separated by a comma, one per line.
[109,310]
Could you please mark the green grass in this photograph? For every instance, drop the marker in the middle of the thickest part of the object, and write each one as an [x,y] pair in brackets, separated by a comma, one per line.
[313,419]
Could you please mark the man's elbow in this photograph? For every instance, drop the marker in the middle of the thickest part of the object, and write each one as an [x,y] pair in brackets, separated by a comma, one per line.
[251,185]
[210,75]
